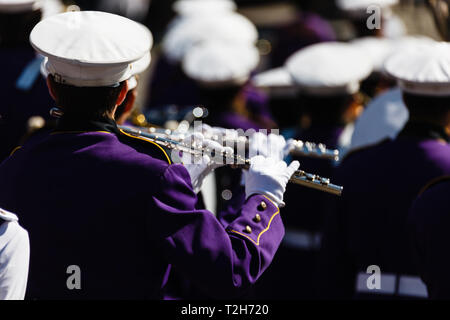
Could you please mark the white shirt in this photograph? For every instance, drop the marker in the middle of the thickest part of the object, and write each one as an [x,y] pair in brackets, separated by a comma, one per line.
[14,257]
[384,117]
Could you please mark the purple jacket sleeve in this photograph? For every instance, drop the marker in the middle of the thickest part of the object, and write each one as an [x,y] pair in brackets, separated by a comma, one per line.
[221,261]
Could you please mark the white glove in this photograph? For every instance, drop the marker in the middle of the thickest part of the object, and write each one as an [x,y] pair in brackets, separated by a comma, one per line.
[200,166]
[269,177]
[270,146]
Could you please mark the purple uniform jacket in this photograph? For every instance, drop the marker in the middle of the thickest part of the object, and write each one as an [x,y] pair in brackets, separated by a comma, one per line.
[367,225]
[115,206]
[18,105]
[429,223]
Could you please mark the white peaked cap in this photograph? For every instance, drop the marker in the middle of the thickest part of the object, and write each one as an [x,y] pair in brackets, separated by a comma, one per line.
[278,81]
[16,6]
[187,32]
[90,48]
[424,71]
[138,67]
[329,68]
[362,5]
[217,64]
[384,117]
[380,49]
[278,77]
[203,7]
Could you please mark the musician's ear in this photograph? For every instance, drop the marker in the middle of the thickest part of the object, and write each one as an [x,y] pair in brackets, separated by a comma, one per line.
[122,94]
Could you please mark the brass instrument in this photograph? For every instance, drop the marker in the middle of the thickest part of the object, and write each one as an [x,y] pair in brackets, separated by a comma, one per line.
[165,140]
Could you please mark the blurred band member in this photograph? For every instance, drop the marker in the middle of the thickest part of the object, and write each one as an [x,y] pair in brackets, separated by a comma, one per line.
[366,228]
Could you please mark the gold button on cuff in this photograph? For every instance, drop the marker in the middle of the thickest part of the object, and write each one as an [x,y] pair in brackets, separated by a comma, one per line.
[257,218]
[263,205]
[248,229]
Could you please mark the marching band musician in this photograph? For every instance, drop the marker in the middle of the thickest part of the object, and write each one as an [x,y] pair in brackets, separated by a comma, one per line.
[429,223]
[221,71]
[112,213]
[366,229]
[327,78]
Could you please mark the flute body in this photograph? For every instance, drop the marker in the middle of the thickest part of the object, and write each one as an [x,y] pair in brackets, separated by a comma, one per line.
[301,148]
[300,177]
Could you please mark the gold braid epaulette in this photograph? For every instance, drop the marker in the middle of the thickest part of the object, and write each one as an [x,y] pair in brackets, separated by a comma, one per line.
[162,152]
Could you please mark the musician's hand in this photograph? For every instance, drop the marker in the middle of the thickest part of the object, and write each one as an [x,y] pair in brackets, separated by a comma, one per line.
[201,165]
[271,146]
[269,176]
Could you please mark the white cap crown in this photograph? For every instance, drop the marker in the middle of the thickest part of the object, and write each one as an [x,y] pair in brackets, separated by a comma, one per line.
[91,48]
[422,70]
[216,64]
[186,32]
[329,68]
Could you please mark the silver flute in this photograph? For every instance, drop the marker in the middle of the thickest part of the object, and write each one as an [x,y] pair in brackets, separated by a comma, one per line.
[164,139]
[301,148]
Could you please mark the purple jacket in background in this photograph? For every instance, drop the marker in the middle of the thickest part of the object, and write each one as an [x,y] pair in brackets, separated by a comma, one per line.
[368,225]
[308,29]
[170,86]
[429,224]
[124,216]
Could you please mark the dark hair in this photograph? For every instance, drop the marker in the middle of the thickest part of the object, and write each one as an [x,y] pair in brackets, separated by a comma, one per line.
[325,109]
[218,98]
[424,108]
[15,28]
[91,102]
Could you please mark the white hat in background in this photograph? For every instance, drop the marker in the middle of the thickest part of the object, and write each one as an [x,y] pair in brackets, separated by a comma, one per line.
[329,68]
[425,71]
[278,82]
[17,6]
[384,117]
[216,64]
[203,7]
[90,48]
[186,32]
[379,49]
